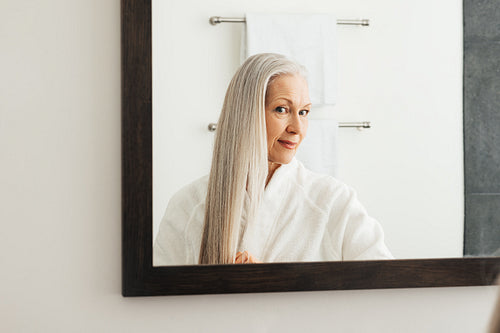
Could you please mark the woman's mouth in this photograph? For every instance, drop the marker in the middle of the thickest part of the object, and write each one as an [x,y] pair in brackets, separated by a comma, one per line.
[288,144]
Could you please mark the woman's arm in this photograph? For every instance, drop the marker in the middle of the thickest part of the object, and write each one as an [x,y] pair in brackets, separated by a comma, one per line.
[363,235]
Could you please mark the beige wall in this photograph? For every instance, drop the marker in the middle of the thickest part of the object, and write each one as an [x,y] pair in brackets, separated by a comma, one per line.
[60,214]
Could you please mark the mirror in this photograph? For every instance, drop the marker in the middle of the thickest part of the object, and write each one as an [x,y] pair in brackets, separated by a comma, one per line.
[141,278]
[402,73]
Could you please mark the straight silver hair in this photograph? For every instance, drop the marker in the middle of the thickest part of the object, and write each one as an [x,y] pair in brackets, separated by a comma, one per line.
[239,161]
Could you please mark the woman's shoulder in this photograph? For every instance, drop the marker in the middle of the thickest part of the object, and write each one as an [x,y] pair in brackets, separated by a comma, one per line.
[316,181]
[324,190]
[186,205]
[191,194]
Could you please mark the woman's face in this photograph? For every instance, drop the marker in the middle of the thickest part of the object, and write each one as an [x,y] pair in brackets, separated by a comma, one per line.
[287,106]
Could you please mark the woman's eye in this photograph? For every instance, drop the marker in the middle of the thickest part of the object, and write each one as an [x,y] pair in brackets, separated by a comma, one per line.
[280,109]
[303,112]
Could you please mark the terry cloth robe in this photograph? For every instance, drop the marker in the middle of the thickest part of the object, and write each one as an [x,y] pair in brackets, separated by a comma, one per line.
[303,216]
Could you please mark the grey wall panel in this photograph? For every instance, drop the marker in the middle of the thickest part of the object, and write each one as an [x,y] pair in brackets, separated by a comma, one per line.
[482,127]
[483,236]
[481,20]
[482,117]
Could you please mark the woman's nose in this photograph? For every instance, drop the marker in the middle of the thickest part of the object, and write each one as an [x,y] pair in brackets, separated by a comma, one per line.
[294,125]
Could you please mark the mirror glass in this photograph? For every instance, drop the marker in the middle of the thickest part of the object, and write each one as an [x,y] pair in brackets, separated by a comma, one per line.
[402,73]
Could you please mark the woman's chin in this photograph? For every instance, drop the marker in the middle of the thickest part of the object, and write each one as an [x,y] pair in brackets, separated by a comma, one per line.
[282,159]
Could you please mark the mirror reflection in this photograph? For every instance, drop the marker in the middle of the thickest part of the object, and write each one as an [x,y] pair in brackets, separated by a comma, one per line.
[402,73]
[260,204]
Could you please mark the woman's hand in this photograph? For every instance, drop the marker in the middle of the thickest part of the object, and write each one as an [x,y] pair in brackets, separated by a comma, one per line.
[245,258]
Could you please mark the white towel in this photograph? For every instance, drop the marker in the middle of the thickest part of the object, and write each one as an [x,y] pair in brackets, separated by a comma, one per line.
[309,39]
[318,150]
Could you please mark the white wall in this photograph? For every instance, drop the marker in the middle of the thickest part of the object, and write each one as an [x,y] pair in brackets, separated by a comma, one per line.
[60,214]
[403,73]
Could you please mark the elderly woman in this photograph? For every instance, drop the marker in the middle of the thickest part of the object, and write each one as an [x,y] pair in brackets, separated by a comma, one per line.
[259,204]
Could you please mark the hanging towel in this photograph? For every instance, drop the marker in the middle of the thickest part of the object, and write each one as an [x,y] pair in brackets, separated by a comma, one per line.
[318,150]
[309,39]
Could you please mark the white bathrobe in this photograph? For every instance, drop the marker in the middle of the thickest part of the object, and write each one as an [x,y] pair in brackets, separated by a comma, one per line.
[303,216]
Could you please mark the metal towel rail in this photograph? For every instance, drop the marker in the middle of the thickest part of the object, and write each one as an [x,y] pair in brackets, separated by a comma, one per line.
[214,20]
[359,125]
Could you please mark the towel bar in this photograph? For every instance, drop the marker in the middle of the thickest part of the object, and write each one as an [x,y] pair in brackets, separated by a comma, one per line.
[359,125]
[214,20]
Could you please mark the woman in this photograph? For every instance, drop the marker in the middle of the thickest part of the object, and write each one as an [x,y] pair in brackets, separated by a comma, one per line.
[259,204]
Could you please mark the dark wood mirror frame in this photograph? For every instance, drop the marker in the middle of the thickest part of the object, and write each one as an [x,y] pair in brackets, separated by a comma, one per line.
[140,278]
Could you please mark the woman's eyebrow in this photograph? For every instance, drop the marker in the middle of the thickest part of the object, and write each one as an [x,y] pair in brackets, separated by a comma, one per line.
[282,98]
[289,101]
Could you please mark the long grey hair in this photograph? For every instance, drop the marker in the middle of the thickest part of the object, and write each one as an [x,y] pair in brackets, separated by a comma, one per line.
[239,162]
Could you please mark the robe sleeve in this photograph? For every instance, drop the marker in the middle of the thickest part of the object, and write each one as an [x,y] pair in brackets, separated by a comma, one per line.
[177,242]
[363,236]
[170,246]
